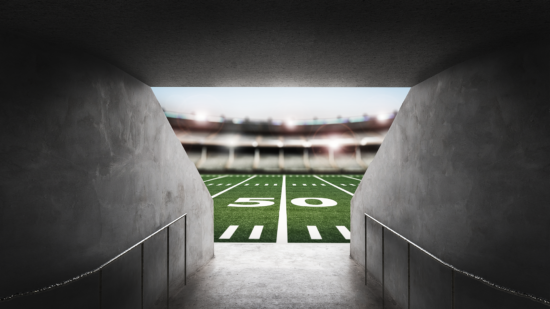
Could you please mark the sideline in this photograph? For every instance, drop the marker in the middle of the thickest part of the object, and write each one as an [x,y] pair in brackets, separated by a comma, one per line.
[213,196]
[333,185]
[214,178]
[350,177]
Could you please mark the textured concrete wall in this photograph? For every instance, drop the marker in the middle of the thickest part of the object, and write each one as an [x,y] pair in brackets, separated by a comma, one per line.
[464,172]
[90,166]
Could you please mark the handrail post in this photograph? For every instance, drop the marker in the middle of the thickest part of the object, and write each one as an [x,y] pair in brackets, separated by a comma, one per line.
[142,247]
[408,275]
[185,253]
[452,288]
[366,218]
[383,293]
[168,267]
[100,288]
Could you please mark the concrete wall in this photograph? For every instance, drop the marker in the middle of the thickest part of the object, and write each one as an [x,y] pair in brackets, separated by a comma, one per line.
[90,166]
[464,172]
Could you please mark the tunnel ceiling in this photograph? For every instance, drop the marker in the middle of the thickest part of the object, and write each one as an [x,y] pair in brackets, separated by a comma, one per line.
[280,43]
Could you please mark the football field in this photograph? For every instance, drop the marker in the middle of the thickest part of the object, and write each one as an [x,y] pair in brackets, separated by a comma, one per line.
[282,208]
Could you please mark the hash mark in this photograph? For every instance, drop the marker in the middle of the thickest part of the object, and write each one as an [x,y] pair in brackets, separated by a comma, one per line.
[256,232]
[229,232]
[344,231]
[313,232]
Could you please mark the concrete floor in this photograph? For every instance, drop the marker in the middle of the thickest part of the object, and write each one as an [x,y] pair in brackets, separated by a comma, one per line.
[280,276]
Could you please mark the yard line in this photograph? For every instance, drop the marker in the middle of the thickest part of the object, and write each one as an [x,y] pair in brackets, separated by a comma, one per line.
[351,178]
[313,232]
[213,196]
[215,178]
[256,232]
[333,185]
[282,229]
[344,231]
[229,232]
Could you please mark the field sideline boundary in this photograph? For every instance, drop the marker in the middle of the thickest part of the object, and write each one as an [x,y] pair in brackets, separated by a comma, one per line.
[215,178]
[213,196]
[333,185]
[350,177]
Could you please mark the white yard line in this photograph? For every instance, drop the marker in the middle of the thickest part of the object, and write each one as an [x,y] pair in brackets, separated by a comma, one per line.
[314,232]
[344,231]
[333,185]
[215,178]
[351,178]
[213,196]
[229,232]
[282,229]
[256,232]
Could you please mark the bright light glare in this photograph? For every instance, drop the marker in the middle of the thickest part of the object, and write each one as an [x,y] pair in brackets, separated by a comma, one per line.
[334,144]
[280,144]
[383,117]
[254,144]
[200,117]
[307,144]
[290,123]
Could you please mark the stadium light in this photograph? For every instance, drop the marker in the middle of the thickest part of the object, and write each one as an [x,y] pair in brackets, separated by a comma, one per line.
[280,144]
[334,144]
[254,144]
[307,144]
[200,117]
[290,123]
[384,117]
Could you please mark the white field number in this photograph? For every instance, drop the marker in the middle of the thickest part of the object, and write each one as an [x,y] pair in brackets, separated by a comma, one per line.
[325,202]
[259,202]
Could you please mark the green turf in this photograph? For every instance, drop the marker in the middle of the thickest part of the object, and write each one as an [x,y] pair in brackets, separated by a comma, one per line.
[299,217]
[247,217]
[325,218]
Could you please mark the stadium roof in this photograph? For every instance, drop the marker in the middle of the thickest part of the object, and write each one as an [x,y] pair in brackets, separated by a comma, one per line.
[280,43]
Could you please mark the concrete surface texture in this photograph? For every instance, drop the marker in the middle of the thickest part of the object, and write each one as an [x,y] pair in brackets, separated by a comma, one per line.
[281,276]
[248,43]
[90,166]
[464,173]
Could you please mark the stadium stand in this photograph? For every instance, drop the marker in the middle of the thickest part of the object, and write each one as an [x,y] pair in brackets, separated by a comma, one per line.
[216,160]
[294,160]
[342,145]
[244,160]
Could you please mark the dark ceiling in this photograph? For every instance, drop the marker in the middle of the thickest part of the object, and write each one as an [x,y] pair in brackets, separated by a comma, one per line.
[280,43]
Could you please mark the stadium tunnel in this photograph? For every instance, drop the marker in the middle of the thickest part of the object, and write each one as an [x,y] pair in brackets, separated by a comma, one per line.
[91,165]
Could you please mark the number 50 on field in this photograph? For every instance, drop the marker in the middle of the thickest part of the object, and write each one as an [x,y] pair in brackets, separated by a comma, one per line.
[302,201]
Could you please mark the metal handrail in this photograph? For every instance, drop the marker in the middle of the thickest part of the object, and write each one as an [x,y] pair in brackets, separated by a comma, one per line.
[453,269]
[100,268]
